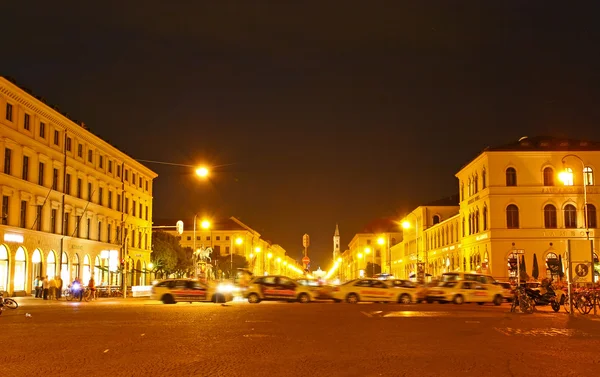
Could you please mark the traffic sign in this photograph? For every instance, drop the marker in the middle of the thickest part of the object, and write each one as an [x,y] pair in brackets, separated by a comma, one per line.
[306,260]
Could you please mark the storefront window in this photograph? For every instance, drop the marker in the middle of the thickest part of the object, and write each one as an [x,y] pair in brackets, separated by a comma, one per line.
[36,261]
[98,271]
[75,272]
[20,269]
[3,268]
[552,266]
[64,267]
[87,272]
[51,265]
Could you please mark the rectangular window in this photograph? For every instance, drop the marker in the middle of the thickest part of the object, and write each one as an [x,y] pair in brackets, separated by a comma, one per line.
[226,238]
[132,238]
[110,199]
[226,250]
[90,155]
[146,212]
[118,202]
[38,218]
[133,175]
[4,210]
[89,191]
[189,238]
[146,185]
[133,207]
[218,238]
[140,182]
[9,108]
[23,218]
[66,223]
[99,230]
[56,137]
[110,166]
[26,122]
[126,209]
[198,238]
[68,184]
[118,171]
[146,241]
[25,168]
[100,195]
[127,175]
[140,213]
[118,234]
[108,235]
[7,158]
[78,226]
[55,179]
[80,150]
[42,130]
[41,174]
[68,145]
[101,162]
[53,213]
[79,188]
[89,228]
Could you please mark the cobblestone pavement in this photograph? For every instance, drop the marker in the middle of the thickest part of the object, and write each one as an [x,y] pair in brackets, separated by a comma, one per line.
[137,337]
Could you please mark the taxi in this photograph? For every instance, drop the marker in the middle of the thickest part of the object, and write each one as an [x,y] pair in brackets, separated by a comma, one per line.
[462,291]
[371,290]
[277,288]
[321,290]
[415,292]
[171,291]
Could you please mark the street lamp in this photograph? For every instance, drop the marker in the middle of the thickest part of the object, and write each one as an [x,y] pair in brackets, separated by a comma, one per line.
[204,224]
[368,251]
[202,172]
[269,256]
[150,267]
[407,225]
[566,176]
[238,241]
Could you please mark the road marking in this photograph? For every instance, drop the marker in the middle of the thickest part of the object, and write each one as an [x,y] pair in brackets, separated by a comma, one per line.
[472,322]
[550,331]
[257,321]
[367,314]
[256,335]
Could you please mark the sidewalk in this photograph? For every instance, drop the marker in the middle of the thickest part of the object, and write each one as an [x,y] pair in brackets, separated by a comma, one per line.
[32,301]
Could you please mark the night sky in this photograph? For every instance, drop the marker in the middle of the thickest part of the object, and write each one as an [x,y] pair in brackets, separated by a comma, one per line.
[314,115]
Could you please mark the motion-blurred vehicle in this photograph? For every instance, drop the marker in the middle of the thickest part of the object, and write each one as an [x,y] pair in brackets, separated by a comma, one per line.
[321,291]
[171,291]
[508,291]
[277,288]
[372,290]
[460,292]
[417,292]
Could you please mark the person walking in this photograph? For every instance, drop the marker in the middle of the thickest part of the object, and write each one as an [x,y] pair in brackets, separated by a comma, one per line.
[36,286]
[52,289]
[45,285]
[59,287]
[92,287]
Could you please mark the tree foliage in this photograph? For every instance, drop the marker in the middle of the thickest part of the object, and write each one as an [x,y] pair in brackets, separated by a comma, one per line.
[223,265]
[168,256]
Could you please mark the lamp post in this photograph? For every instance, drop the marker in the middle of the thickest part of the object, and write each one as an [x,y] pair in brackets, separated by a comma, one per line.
[367,252]
[381,242]
[257,252]
[567,178]
[406,225]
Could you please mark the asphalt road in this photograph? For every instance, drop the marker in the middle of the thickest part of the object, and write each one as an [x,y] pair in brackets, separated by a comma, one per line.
[145,338]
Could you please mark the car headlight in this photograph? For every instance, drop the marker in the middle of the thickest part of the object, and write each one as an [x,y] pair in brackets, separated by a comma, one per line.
[225,288]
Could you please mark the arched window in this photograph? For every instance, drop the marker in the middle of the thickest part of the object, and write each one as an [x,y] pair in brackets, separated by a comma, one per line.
[552,266]
[567,177]
[36,262]
[20,270]
[483,177]
[512,217]
[588,176]
[511,177]
[470,187]
[462,191]
[463,225]
[64,267]
[436,219]
[591,216]
[475,184]
[75,269]
[98,272]
[550,217]
[51,265]
[87,271]
[470,223]
[485,215]
[3,268]
[477,221]
[548,176]
[451,233]
[570,213]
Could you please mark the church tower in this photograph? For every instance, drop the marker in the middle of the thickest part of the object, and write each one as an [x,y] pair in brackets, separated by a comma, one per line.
[336,243]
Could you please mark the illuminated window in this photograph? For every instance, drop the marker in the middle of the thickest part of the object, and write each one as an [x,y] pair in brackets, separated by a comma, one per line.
[570,213]
[567,177]
[550,216]
[588,176]
[591,216]
[548,176]
[512,217]
[511,177]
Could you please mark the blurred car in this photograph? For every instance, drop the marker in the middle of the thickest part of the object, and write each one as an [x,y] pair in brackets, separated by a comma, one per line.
[171,291]
[462,291]
[507,290]
[417,292]
[277,288]
[321,290]
[372,290]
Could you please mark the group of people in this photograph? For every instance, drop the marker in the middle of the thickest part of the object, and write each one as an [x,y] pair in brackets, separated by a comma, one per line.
[51,289]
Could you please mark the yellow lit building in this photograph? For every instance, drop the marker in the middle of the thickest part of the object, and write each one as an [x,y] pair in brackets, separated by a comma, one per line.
[511,199]
[72,204]
[233,236]
[373,245]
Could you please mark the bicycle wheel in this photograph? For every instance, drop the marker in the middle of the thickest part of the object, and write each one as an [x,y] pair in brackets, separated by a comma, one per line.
[10,303]
[69,296]
[87,295]
[584,305]
[567,304]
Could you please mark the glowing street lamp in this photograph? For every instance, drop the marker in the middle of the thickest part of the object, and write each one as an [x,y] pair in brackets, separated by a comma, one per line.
[205,224]
[202,172]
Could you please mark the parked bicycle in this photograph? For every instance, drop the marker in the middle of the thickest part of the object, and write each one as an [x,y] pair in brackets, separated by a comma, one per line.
[7,303]
[522,301]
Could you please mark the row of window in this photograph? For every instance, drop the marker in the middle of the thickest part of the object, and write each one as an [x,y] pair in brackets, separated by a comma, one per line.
[102,162]
[71,228]
[550,216]
[473,184]
[549,176]
[134,210]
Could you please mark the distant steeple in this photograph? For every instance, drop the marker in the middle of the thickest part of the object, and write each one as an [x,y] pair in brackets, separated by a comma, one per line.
[336,243]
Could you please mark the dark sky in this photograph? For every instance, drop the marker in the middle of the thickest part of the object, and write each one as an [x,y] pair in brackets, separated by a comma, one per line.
[316,114]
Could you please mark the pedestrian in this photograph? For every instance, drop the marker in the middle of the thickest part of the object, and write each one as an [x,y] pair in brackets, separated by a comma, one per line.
[36,286]
[92,287]
[52,289]
[45,285]
[59,287]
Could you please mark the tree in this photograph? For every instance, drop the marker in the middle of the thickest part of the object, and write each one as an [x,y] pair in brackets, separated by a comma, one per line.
[223,265]
[164,253]
[370,267]
[184,266]
[535,272]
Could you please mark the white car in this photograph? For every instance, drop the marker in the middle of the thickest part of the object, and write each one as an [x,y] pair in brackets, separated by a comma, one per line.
[459,292]
[277,288]
[372,290]
[171,291]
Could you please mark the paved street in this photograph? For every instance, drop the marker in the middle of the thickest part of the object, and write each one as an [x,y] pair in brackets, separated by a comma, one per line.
[144,338]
